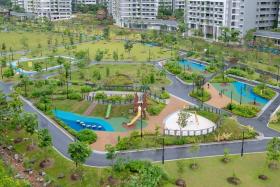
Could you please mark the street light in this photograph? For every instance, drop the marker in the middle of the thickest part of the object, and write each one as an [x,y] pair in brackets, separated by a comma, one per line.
[241,96]
[141,119]
[162,158]
[242,147]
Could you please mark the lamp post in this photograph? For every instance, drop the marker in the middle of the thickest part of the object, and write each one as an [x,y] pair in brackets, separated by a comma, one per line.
[242,146]
[240,102]
[162,158]
[141,119]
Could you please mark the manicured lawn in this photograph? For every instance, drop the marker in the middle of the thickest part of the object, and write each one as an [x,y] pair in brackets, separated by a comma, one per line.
[117,110]
[30,40]
[264,91]
[213,172]
[139,52]
[275,126]
[121,74]
[71,105]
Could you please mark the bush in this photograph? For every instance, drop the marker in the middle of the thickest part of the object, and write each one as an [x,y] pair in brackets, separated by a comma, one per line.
[74,96]
[100,96]
[264,91]
[201,95]
[220,79]
[173,67]
[155,109]
[247,111]
[87,135]
[164,95]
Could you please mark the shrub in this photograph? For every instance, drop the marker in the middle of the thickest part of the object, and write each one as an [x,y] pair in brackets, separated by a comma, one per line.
[164,95]
[201,95]
[243,110]
[100,96]
[74,96]
[264,91]
[87,135]
[173,67]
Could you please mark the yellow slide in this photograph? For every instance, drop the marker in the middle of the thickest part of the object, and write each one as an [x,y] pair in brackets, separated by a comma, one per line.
[136,117]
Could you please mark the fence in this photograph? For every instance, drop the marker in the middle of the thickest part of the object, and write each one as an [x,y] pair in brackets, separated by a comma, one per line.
[189,132]
[105,102]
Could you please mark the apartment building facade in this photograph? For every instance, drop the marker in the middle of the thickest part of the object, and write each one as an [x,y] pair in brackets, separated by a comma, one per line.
[173,4]
[51,9]
[125,11]
[209,16]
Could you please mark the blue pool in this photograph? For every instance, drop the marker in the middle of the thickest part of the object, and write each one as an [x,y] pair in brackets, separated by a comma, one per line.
[248,96]
[192,65]
[79,122]
[151,44]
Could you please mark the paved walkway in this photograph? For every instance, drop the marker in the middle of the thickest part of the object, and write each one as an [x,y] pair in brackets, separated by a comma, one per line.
[89,110]
[217,100]
[105,137]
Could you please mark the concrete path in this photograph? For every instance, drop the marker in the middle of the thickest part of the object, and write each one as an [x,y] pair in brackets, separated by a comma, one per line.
[89,110]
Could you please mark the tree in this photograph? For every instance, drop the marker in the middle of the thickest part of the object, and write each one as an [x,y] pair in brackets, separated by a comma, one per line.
[45,100]
[99,55]
[106,33]
[87,136]
[183,116]
[3,64]
[194,149]
[110,152]
[45,139]
[128,45]
[273,151]
[115,56]
[30,123]
[79,152]
[25,81]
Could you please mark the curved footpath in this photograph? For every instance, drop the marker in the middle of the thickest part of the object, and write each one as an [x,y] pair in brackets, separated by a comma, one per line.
[61,139]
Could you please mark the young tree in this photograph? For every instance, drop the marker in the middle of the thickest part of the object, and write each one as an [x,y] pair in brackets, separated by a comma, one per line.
[30,123]
[45,100]
[99,55]
[183,117]
[45,139]
[194,149]
[110,152]
[25,81]
[79,152]
[273,151]
[3,64]
[128,45]
[115,56]
[106,33]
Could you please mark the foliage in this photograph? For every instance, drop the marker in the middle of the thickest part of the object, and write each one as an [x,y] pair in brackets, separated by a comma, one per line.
[222,79]
[243,110]
[273,150]
[141,173]
[45,139]
[154,107]
[87,136]
[183,117]
[201,94]
[264,91]
[164,95]
[79,152]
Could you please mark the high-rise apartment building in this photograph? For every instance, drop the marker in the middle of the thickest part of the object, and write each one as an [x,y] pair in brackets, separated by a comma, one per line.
[52,9]
[172,4]
[125,11]
[209,16]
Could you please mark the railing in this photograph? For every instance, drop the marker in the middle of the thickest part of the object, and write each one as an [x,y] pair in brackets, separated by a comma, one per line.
[190,132]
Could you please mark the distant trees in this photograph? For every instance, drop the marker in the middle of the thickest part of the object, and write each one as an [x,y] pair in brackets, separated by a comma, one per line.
[229,35]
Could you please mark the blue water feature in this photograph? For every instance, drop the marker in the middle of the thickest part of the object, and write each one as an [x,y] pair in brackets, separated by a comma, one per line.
[151,44]
[248,93]
[192,65]
[79,122]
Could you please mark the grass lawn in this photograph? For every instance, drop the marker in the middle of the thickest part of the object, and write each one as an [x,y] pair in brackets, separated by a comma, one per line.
[30,40]
[275,122]
[139,52]
[213,172]
[44,63]
[71,105]
[275,126]
[121,74]
[117,110]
